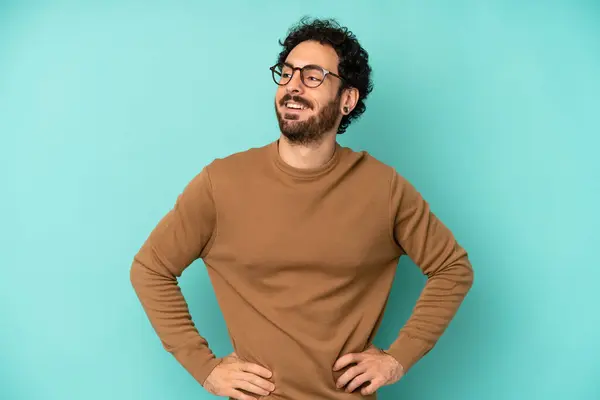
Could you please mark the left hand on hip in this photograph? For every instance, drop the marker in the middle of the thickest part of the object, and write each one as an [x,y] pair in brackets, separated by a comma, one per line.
[372,365]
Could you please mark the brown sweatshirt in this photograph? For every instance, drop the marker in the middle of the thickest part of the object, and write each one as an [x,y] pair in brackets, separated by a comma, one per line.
[302,262]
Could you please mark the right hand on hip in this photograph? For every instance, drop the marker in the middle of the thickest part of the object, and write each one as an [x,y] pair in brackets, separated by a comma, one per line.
[232,374]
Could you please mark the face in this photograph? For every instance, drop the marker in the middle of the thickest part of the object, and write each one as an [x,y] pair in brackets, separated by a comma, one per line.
[306,114]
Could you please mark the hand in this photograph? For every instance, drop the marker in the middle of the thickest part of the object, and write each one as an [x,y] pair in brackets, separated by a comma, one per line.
[372,365]
[232,374]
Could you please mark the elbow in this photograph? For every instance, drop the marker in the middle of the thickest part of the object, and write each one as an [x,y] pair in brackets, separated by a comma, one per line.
[141,270]
[147,269]
[136,273]
[459,272]
[464,271]
[469,275]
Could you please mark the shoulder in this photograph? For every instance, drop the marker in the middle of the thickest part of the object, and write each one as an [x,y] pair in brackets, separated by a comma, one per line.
[382,177]
[368,165]
[238,163]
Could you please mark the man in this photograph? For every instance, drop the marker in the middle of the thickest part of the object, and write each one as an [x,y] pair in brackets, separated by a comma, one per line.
[301,239]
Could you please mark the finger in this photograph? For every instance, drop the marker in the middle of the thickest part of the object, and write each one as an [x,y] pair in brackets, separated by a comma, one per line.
[257,381]
[237,395]
[345,360]
[372,387]
[357,381]
[256,370]
[350,374]
[250,387]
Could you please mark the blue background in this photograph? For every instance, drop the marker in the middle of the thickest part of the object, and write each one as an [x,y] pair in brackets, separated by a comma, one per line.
[107,109]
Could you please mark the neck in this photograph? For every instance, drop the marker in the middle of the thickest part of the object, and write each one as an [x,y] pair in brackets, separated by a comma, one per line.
[307,156]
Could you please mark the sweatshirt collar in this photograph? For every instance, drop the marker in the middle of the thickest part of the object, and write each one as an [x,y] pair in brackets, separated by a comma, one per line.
[304,173]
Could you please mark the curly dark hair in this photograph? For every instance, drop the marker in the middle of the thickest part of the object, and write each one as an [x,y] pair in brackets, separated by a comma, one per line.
[354,60]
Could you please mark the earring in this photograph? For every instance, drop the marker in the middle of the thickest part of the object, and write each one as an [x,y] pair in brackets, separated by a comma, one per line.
[345,109]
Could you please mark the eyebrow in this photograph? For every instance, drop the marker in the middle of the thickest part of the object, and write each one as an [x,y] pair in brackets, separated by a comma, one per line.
[289,64]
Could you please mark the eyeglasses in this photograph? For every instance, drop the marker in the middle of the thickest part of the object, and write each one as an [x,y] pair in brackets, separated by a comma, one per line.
[311,75]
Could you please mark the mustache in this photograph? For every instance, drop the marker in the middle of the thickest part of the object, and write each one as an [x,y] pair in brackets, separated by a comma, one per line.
[296,99]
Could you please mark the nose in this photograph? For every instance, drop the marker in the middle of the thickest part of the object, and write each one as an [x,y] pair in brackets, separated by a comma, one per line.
[295,85]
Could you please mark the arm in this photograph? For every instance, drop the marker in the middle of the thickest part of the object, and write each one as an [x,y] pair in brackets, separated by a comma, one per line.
[183,235]
[432,247]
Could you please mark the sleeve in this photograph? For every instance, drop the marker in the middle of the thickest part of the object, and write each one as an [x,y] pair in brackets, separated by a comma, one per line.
[183,235]
[433,248]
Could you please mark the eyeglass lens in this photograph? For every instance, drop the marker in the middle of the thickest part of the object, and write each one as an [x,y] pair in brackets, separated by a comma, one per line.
[311,76]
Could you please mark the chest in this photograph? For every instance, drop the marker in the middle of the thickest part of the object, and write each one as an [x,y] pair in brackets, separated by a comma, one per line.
[330,233]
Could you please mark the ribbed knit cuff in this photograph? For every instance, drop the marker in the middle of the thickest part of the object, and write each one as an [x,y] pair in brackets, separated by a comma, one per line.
[198,361]
[407,350]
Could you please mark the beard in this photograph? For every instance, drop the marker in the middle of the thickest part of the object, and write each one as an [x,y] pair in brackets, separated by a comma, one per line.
[312,130]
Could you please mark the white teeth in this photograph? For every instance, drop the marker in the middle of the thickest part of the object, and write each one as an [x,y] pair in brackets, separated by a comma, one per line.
[294,106]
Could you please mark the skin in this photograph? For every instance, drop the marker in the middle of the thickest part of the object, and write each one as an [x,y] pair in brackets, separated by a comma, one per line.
[373,368]
[320,151]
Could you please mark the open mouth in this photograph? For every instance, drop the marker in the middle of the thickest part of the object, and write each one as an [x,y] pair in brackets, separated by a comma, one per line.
[291,106]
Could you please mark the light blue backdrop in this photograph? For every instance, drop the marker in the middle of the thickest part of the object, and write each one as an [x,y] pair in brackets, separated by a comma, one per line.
[107,109]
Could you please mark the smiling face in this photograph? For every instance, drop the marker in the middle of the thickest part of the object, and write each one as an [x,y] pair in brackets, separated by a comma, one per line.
[306,114]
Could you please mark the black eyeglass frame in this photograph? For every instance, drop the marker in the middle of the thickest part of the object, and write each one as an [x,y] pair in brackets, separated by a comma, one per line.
[301,69]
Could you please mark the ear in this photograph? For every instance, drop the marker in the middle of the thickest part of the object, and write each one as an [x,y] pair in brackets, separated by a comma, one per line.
[350,97]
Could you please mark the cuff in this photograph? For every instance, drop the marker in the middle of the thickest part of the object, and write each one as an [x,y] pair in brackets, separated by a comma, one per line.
[198,361]
[407,350]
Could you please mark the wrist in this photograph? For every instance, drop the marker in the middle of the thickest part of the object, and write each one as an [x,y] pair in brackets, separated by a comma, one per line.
[398,368]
